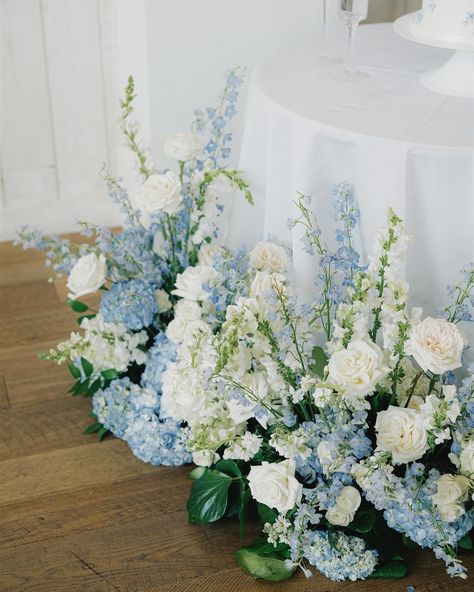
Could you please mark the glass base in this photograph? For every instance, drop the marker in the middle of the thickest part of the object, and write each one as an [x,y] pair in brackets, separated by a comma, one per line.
[350,75]
[323,60]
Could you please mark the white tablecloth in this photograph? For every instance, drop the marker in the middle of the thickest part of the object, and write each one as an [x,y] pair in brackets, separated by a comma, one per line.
[399,143]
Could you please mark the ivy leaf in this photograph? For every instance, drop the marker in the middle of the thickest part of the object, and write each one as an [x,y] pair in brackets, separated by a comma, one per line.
[75,372]
[320,361]
[197,473]
[208,499]
[94,427]
[364,521]
[109,374]
[77,306]
[229,466]
[82,317]
[390,570]
[266,514]
[263,567]
[465,542]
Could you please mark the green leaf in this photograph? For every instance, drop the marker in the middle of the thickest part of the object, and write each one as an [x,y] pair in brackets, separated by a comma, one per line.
[102,433]
[364,520]
[77,306]
[266,514]
[208,499]
[409,543]
[229,466]
[94,427]
[320,361]
[87,367]
[75,372]
[109,374]
[82,317]
[197,473]
[390,570]
[245,497]
[264,567]
[465,542]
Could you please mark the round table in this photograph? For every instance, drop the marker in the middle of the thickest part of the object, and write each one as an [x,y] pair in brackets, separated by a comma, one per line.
[400,144]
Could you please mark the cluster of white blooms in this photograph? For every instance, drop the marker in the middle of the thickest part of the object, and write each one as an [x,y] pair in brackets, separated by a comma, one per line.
[104,345]
[347,504]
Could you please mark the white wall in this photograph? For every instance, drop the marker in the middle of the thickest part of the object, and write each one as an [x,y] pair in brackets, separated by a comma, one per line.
[64,63]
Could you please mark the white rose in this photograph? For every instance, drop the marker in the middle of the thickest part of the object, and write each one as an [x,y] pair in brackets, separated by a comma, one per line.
[189,284]
[349,499]
[160,193]
[192,328]
[401,432]
[466,458]
[187,310]
[175,330]
[269,257]
[183,146]
[436,345]
[339,517]
[87,275]
[451,489]
[358,368]
[451,512]
[205,458]
[275,485]
[264,282]
[163,301]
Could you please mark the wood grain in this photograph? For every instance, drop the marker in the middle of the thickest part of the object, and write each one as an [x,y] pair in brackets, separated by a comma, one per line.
[79,515]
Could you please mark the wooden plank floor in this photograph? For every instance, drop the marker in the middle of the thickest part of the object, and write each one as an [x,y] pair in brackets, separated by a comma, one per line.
[78,515]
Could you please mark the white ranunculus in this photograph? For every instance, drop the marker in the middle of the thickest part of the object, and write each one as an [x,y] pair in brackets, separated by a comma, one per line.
[160,193]
[267,256]
[358,368]
[466,459]
[436,345]
[189,284]
[163,301]
[401,432]
[349,499]
[451,489]
[339,517]
[175,330]
[205,458]
[183,146]
[275,485]
[87,275]
[187,310]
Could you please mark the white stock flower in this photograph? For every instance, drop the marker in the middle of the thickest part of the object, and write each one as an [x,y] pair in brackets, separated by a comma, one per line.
[205,458]
[267,256]
[401,432]
[160,193]
[436,345]
[163,301]
[87,275]
[193,328]
[264,282]
[357,369]
[466,459]
[275,485]
[207,252]
[189,284]
[187,310]
[183,146]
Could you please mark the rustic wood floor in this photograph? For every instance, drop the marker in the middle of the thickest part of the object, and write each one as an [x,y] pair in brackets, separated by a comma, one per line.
[79,515]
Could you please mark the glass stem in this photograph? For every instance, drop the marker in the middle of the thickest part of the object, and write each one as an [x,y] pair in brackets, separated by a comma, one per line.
[352,25]
[325,28]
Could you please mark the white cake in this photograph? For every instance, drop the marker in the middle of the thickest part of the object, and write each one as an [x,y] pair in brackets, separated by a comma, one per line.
[449,17]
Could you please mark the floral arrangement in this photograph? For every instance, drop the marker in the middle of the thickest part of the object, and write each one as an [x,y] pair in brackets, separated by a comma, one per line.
[342,421]
[143,271]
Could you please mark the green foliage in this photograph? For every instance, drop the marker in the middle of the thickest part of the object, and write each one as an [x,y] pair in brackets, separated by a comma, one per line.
[320,361]
[465,542]
[77,306]
[262,560]
[208,499]
[266,514]
[393,569]
[197,473]
[364,520]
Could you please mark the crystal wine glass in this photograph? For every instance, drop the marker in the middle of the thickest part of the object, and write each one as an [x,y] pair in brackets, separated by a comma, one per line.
[352,13]
[323,59]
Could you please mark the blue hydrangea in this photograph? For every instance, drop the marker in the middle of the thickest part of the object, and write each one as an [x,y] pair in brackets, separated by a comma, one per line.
[131,413]
[160,355]
[131,303]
